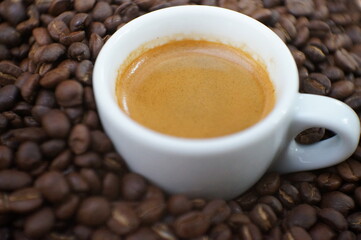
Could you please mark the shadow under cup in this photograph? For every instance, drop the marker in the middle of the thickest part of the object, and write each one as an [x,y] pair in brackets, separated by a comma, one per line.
[165,159]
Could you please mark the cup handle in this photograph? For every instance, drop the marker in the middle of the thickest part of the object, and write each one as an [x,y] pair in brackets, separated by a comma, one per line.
[318,111]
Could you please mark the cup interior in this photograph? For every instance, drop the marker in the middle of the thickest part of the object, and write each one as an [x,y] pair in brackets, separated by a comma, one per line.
[197,22]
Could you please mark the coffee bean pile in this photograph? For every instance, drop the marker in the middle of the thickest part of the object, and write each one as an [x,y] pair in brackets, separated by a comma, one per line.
[61,179]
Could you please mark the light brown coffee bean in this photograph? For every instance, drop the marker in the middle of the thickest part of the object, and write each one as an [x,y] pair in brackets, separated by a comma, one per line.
[79,139]
[56,124]
[133,186]
[95,45]
[93,211]
[191,225]
[11,180]
[123,219]
[53,186]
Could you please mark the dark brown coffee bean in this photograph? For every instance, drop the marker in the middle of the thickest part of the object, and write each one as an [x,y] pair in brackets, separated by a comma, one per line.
[79,22]
[28,156]
[75,114]
[220,232]
[317,83]
[163,231]
[52,78]
[69,93]
[263,15]
[217,211]
[93,211]
[346,235]
[8,97]
[83,6]
[329,181]
[95,44]
[273,202]
[104,234]
[302,36]
[13,179]
[14,137]
[65,16]
[78,51]
[100,142]
[133,186]
[111,186]
[39,223]
[53,186]
[52,148]
[296,233]
[42,36]
[13,12]
[68,65]
[84,72]
[314,53]
[309,193]
[91,119]
[338,201]
[250,232]
[143,233]
[59,6]
[67,208]
[49,53]
[57,28]
[151,210]
[301,177]
[321,232]
[129,10]
[9,35]
[3,125]
[342,89]
[354,101]
[88,160]
[92,178]
[179,204]
[302,215]
[72,38]
[345,61]
[263,216]
[77,183]
[236,220]
[247,200]
[298,56]
[318,28]
[333,73]
[22,109]
[333,218]
[358,196]
[97,28]
[101,11]
[6,157]
[354,221]
[25,200]
[288,195]
[191,225]
[79,139]
[112,22]
[123,219]
[350,170]
[4,52]
[82,232]
[56,124]
[61,161]
[9,72]
[336,41]
[269,184]
[299,7]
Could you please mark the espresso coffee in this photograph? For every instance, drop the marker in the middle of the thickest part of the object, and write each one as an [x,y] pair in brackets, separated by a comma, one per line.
[195,89]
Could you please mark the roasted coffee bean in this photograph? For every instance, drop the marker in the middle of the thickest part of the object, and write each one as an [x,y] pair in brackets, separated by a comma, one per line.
[299,7]
[88,160]
[84,72]
[95,44]
[14,137]
[111,186]
[298,56]
[9,72]
[56,124]
[236,220]
[250,232]
[269,183]
[42,36]
[52,148]
[4,52]
[93,211]
[89,100]
[333,218]
[263,216]
[91,119]
[3,125]
[58,6]
[150,210]
[77,183]
[317,83]
[329,181]
[104,234]
[133,186]
[6,157]
[72,38]
[13,11]
[314,53]
[358,196]
[78,51]
[82,232]
[66,16]
[179,204]
[79,22]
[322,232]
[83,6]
[67,208]
[354,221]
[13,179]
[338,201]
[143,233]
[263,15]
[342,89]
[101,11]
[337,41]
[123,219]
[301,177]
[345,61]
[52,78]
[75,114]
[28,156]
[354,101]
[100,142]
[129,10]
[220,232]
[53,186]
[8,97]
[49,53]
[79,139]
[9,35]
[57,28]
[302,215]
[39,223]
[309,193]
[69,93]
[288,195]
[163,231]
[296,233]
[191,225]
[273,202]
[92,178]
[24,200]
[350,170]
[346,235]
[68,65]
[97,28]
[217,211]
[112,22]
[61,161]
[247,200]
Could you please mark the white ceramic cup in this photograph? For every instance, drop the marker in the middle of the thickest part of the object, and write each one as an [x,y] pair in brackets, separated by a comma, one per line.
[222,167]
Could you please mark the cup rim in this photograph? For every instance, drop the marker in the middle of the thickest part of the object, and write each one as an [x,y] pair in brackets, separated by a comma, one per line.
[190,146]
